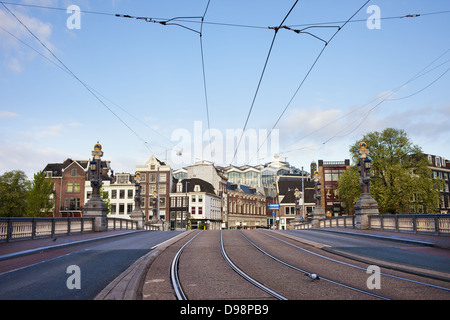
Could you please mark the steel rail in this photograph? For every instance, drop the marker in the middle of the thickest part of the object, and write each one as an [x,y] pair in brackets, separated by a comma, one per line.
[310,273]
[176,284]
[357,267]
[246,276]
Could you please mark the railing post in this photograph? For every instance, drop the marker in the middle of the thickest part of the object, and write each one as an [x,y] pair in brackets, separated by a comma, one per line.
[9,230]
[68,226]
[414,224]
[33,228]
[53,227]
[436,224]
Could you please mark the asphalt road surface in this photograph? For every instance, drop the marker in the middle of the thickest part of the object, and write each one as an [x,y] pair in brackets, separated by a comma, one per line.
[50,275]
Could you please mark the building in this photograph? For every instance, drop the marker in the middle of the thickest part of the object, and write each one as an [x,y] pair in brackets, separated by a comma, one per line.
[69,179]
[156,182]
[246,208]
[289,205]
[440,169]
[195,204]
[263,175]
[120,191]
[208,172]
[329,173]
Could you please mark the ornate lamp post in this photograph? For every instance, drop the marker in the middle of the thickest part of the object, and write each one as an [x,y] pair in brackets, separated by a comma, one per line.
[318,212]
[366,205]
[95,207]
[137,214]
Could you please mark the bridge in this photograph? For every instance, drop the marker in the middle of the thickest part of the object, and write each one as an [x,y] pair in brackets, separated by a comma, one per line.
[257,266]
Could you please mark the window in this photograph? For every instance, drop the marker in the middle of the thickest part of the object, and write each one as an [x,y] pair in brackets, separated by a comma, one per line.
[194,198]
[193,210]
[143,177]
[129,208]
[162,177]
[130,194]
[162,202]
[143,202]
[200,198]
[200,210]
[73,173]
[113,209]
[113,194]
[76,187]
[70,187]
[121,194]
[121,208]
[152,177]
[162,188]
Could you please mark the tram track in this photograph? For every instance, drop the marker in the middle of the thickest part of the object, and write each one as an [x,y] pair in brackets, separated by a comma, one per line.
[394,279]
[214,265]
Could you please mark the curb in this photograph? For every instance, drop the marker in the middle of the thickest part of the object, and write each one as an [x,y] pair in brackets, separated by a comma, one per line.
[128,285]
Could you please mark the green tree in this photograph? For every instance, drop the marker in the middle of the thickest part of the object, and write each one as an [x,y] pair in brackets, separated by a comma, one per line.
[39,200]
[104,195]
[349,191]
[399,173]
[13,193]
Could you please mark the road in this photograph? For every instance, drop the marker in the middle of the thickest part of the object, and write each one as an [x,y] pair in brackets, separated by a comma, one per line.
[283,262]
[44,275]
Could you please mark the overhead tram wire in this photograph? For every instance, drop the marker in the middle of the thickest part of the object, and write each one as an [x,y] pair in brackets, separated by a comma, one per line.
[181,19]
[308,73]
[384,97]
[204,79]
[75,76]
[261,77]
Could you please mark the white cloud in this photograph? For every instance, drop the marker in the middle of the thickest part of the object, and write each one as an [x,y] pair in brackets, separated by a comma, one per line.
[13,55]
[7,114]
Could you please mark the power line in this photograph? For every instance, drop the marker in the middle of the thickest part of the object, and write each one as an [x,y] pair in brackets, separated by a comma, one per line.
[385,97]
[308,73]
[75,76]
[260,78]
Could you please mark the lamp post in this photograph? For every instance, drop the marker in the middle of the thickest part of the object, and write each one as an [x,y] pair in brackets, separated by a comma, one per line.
[137,214]
[318,212]
[95,207]
[366,205]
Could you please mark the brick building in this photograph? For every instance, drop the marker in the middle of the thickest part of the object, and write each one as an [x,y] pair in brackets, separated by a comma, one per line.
[69,179]
[156,182]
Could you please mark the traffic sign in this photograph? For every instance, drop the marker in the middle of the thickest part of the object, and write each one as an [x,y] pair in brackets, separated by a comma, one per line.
[274,206]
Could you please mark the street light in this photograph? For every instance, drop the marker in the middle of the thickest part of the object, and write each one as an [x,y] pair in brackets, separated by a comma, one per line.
[366,205]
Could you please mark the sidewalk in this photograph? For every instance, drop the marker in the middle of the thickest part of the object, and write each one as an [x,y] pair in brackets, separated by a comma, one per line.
[17,248]
[442,241]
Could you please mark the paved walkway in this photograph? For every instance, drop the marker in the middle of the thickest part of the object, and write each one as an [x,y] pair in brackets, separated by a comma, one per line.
[442,241]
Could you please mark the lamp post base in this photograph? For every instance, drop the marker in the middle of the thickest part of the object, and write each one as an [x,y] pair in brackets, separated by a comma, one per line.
[316,215]
[364,207]
[96,208]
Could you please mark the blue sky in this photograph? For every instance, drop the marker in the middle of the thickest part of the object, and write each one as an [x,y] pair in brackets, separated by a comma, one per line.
[149,88]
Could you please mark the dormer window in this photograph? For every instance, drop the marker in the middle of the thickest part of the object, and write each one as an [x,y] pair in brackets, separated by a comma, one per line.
[179,187]
[197,188]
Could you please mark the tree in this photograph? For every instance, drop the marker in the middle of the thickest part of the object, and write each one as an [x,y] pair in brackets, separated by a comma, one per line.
[349,191]
[13,193]
[399,173]
[39,200]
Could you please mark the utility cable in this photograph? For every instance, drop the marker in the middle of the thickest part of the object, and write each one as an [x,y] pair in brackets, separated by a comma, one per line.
[308,73]
[260,79]
[75,76]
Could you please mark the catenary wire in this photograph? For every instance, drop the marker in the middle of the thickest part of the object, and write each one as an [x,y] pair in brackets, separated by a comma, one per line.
[76,77]
[307,75]
[260,79]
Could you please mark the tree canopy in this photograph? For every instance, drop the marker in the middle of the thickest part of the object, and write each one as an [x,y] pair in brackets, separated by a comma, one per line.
[400,177]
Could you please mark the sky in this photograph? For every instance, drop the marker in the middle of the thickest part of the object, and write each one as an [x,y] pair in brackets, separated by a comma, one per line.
[231,90]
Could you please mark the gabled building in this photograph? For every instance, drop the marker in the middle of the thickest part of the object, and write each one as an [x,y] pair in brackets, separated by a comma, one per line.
[195,204]
[289,205]
[69,179]
[156,182]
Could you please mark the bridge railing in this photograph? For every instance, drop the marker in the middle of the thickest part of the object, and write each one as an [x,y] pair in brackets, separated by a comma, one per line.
[415,223]
[33,228]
